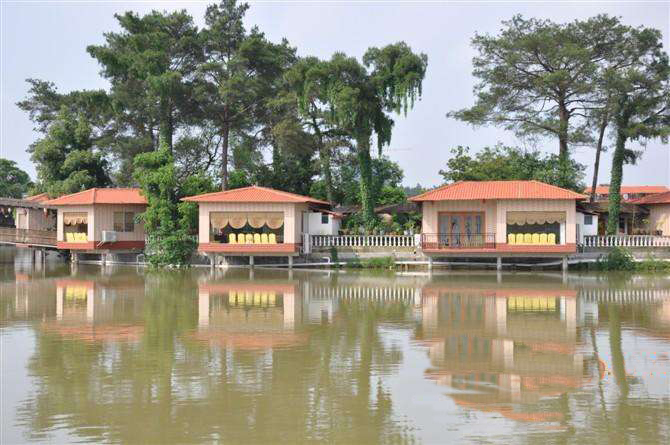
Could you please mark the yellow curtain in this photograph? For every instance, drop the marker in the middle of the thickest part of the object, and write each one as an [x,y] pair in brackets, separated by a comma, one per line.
[71,219]
[257,220]
[521,218]
[275,220]
[219,220]
[237,220]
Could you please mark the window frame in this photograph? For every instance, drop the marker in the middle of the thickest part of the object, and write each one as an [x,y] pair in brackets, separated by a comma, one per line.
[126,224]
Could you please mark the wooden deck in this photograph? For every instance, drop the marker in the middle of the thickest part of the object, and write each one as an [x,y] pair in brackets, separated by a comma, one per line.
[28,238]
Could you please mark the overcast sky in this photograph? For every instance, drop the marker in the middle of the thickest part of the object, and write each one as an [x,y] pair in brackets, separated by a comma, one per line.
[47,40]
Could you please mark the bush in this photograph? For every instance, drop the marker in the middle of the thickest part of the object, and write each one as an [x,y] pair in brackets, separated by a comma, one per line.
[651,264]
[387,262]
[618,259]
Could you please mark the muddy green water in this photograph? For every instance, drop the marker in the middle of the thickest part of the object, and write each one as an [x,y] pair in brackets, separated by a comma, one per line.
[123,355]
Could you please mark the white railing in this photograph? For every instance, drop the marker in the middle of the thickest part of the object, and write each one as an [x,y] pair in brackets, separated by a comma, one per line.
[626,241]
[319,241]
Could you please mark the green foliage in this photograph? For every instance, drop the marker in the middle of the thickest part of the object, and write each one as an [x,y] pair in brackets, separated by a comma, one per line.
[505,163]
[168,240]
[65,158]
[651,264]
[387,262]
[618,259]
[14,182]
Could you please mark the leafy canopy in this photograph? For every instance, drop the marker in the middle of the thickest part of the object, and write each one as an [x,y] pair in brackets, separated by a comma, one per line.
[14,182]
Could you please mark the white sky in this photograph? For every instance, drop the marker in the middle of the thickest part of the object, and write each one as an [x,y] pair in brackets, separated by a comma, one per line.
[47,40]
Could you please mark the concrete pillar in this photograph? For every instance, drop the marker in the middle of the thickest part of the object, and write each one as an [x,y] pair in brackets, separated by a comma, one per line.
[565,264]
[212,260]
[430,263]
[290,262]
[251,260]
[499,263]
[103,259]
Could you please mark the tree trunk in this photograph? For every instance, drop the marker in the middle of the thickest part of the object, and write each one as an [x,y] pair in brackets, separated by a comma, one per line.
[225,142]
[596,164]
[615,184]
[165,132]
[324,159]
[365,164]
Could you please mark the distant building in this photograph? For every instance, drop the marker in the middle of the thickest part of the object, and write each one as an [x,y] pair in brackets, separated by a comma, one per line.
[628,192]
[658,205]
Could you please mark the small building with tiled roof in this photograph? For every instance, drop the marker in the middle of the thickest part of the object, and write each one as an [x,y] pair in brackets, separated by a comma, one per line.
[628,192]
[257,220]
[659,212]
[100,220]
[498,217]
[30,213]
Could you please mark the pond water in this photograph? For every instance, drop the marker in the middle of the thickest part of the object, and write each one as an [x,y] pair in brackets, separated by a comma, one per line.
[124,355]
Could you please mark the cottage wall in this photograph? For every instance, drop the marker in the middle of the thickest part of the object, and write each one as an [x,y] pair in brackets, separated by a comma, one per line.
[88,209]
[104,220]
[431,211]
[659,218]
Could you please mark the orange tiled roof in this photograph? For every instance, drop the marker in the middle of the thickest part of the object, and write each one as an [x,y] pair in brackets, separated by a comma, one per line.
[605,190]
[38,198]
[253,193]
[473,190]
[101,196]
[657,198]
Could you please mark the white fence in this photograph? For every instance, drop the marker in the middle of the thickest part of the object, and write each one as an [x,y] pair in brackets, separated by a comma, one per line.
[352,241]
[626,241]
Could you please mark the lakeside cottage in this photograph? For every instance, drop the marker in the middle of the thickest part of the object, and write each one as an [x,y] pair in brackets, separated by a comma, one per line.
[492,218]
[658,222]
[100,220]
[259,221]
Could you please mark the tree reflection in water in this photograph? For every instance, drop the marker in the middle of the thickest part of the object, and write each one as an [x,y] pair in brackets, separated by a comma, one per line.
[273,357]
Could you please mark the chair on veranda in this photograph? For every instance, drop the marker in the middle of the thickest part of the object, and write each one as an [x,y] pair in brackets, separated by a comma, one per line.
[543,239]
[536,238]
[511,239]
[527,238]
[551,238]
[264,238]
[272,238]
[257,238]
[232,239]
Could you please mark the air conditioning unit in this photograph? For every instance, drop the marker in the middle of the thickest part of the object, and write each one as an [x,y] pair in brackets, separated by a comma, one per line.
[108,236]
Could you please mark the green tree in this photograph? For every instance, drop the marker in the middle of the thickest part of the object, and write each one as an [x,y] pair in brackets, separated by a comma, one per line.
[65,158]
[641,106]
[168,242]
[360,97]
[150,65]
[536,78]
[504,163]
[239,73]
[14,182]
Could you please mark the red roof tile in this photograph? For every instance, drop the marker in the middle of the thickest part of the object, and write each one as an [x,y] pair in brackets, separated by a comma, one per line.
[38,198]
[101,196]
[253,193]
[604,190]
[474,190]
[657,198]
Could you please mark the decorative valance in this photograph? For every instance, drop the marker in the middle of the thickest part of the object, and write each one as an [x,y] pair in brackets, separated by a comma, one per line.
[72,219]
[522,218]
[237,220]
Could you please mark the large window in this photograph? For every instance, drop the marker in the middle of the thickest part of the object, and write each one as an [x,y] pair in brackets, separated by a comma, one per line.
[124,221]
[540,228]
[461,229]
[75,227]
[246,227]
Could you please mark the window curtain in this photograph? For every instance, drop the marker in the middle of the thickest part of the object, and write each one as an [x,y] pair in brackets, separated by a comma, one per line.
[219,220]
[523,218]
[72,219]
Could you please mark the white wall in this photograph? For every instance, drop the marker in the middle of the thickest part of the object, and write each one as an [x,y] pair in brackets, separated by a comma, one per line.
[586,230]
[311,223]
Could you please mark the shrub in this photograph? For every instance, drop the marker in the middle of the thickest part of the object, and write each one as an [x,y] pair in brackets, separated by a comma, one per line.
[618,259]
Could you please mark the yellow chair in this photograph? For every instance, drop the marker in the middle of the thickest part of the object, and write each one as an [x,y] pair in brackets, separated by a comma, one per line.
[248,238]
[543,238]
[69,237]
[536,238]
[511,239]
[232,239]
[264,238]
[527,238]
[257,238]
[272,238]
[551,238]
[519,238]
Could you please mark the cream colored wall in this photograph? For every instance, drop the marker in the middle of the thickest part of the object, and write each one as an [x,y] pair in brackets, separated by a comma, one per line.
[659,218]
[536,205]
[292,216]
[37,220]
[104,220]
[495,214]
[431,210]
[75,209]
